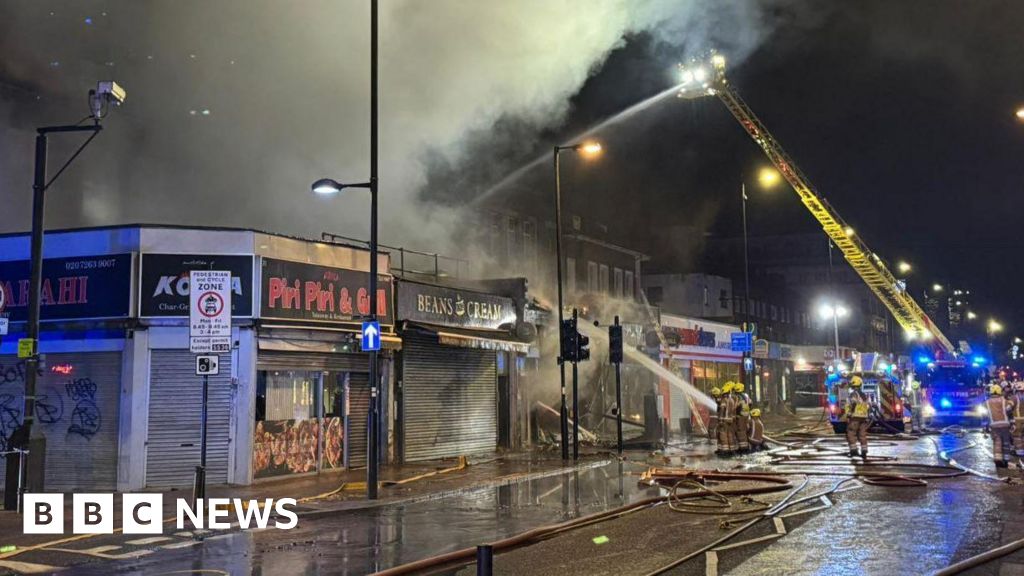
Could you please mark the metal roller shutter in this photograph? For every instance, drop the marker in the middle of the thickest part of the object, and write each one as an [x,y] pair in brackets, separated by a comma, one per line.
[358,422]
[340,362]
[449,399]
[77,404]
[175,410]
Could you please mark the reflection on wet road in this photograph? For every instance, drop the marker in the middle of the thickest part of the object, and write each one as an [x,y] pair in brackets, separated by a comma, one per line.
[363,541]
[869,530]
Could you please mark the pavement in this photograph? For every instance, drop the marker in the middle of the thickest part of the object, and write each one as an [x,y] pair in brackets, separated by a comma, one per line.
[861,529]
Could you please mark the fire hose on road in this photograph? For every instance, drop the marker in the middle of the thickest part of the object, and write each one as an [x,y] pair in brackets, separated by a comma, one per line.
[768,483]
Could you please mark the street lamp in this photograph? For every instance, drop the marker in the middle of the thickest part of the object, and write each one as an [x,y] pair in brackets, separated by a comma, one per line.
[971,315]
[993,328]
[1020,113]
[100,99]
[768,178]
[834,312]
[936,287]
[327,186]
[590,149]
[904,267]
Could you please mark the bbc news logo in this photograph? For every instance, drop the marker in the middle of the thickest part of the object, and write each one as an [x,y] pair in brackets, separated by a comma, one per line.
[143,514]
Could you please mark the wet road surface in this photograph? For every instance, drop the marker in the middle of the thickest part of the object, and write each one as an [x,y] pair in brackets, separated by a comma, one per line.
[862,530]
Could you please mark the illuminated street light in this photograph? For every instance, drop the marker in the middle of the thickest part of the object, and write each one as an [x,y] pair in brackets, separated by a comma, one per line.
[994,326]
[768,177]
[587,149]
[833,312]
[971,315]
[1020,113]
[904,267]
[936,287]
[827,311]
[849,231]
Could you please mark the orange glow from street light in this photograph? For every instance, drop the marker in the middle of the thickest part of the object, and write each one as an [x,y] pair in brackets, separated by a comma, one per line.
[1020,113]
[591,148]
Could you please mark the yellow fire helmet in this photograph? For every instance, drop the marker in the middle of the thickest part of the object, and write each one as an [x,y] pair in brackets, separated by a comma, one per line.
[716,392]
[995,390]
[756,412]
[727,387]
[856,382]
[738,387]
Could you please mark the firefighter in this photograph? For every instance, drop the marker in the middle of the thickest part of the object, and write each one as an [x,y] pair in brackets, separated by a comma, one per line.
[756,431]
[858,408]
[716,395]
[999,410]
[1018,418]
[741,423]
[727,410]
[914,403]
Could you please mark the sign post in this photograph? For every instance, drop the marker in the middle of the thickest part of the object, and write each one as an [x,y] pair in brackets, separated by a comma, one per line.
[209,332]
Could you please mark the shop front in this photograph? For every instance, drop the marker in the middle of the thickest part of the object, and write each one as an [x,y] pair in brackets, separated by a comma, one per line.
[457,386]
[699,352]
[312,391]
[85,304]
[774,370]
[175,393]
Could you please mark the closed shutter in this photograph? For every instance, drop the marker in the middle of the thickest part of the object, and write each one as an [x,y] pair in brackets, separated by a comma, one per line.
[77,410]
[175,418]
[338,362]
[449,399]
[358,422]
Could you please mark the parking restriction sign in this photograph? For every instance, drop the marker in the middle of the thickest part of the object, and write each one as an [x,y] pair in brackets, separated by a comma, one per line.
[209,311]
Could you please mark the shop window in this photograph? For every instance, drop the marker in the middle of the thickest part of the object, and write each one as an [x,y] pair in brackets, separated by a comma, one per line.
[286,394]
[592,284]
[603,279]
[299,426]
[723,299]
[334,394]
[627,285]
[618,282]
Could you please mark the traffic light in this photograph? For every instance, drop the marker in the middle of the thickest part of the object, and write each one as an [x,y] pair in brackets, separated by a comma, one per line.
[582,348]
[568,341]
[615,344]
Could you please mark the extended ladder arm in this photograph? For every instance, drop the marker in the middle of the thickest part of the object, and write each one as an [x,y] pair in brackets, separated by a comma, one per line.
[867,264]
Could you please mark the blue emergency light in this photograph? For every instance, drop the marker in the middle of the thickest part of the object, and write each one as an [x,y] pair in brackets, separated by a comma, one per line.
[945,403]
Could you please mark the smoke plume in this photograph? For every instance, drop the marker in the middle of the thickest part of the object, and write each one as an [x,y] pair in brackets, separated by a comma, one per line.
[234,107]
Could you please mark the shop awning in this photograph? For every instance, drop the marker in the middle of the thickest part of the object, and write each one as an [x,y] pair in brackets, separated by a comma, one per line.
[481,339]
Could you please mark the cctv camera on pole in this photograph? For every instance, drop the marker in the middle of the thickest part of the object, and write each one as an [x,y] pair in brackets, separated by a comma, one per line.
[26,462]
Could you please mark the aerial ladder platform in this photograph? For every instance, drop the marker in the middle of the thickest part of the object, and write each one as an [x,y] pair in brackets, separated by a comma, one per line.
[707,77]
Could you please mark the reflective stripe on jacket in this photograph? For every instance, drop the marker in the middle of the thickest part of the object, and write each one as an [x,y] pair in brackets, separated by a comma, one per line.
[857,405]
[757,430]
[997,407]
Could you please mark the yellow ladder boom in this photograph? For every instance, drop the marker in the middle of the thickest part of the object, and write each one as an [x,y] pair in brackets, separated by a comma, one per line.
[868,265]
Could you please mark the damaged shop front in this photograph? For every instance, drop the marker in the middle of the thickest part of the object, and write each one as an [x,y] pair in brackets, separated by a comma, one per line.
[312,379]
[457,389]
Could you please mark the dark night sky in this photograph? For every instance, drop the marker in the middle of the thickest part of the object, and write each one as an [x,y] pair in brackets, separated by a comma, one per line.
[901,113]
